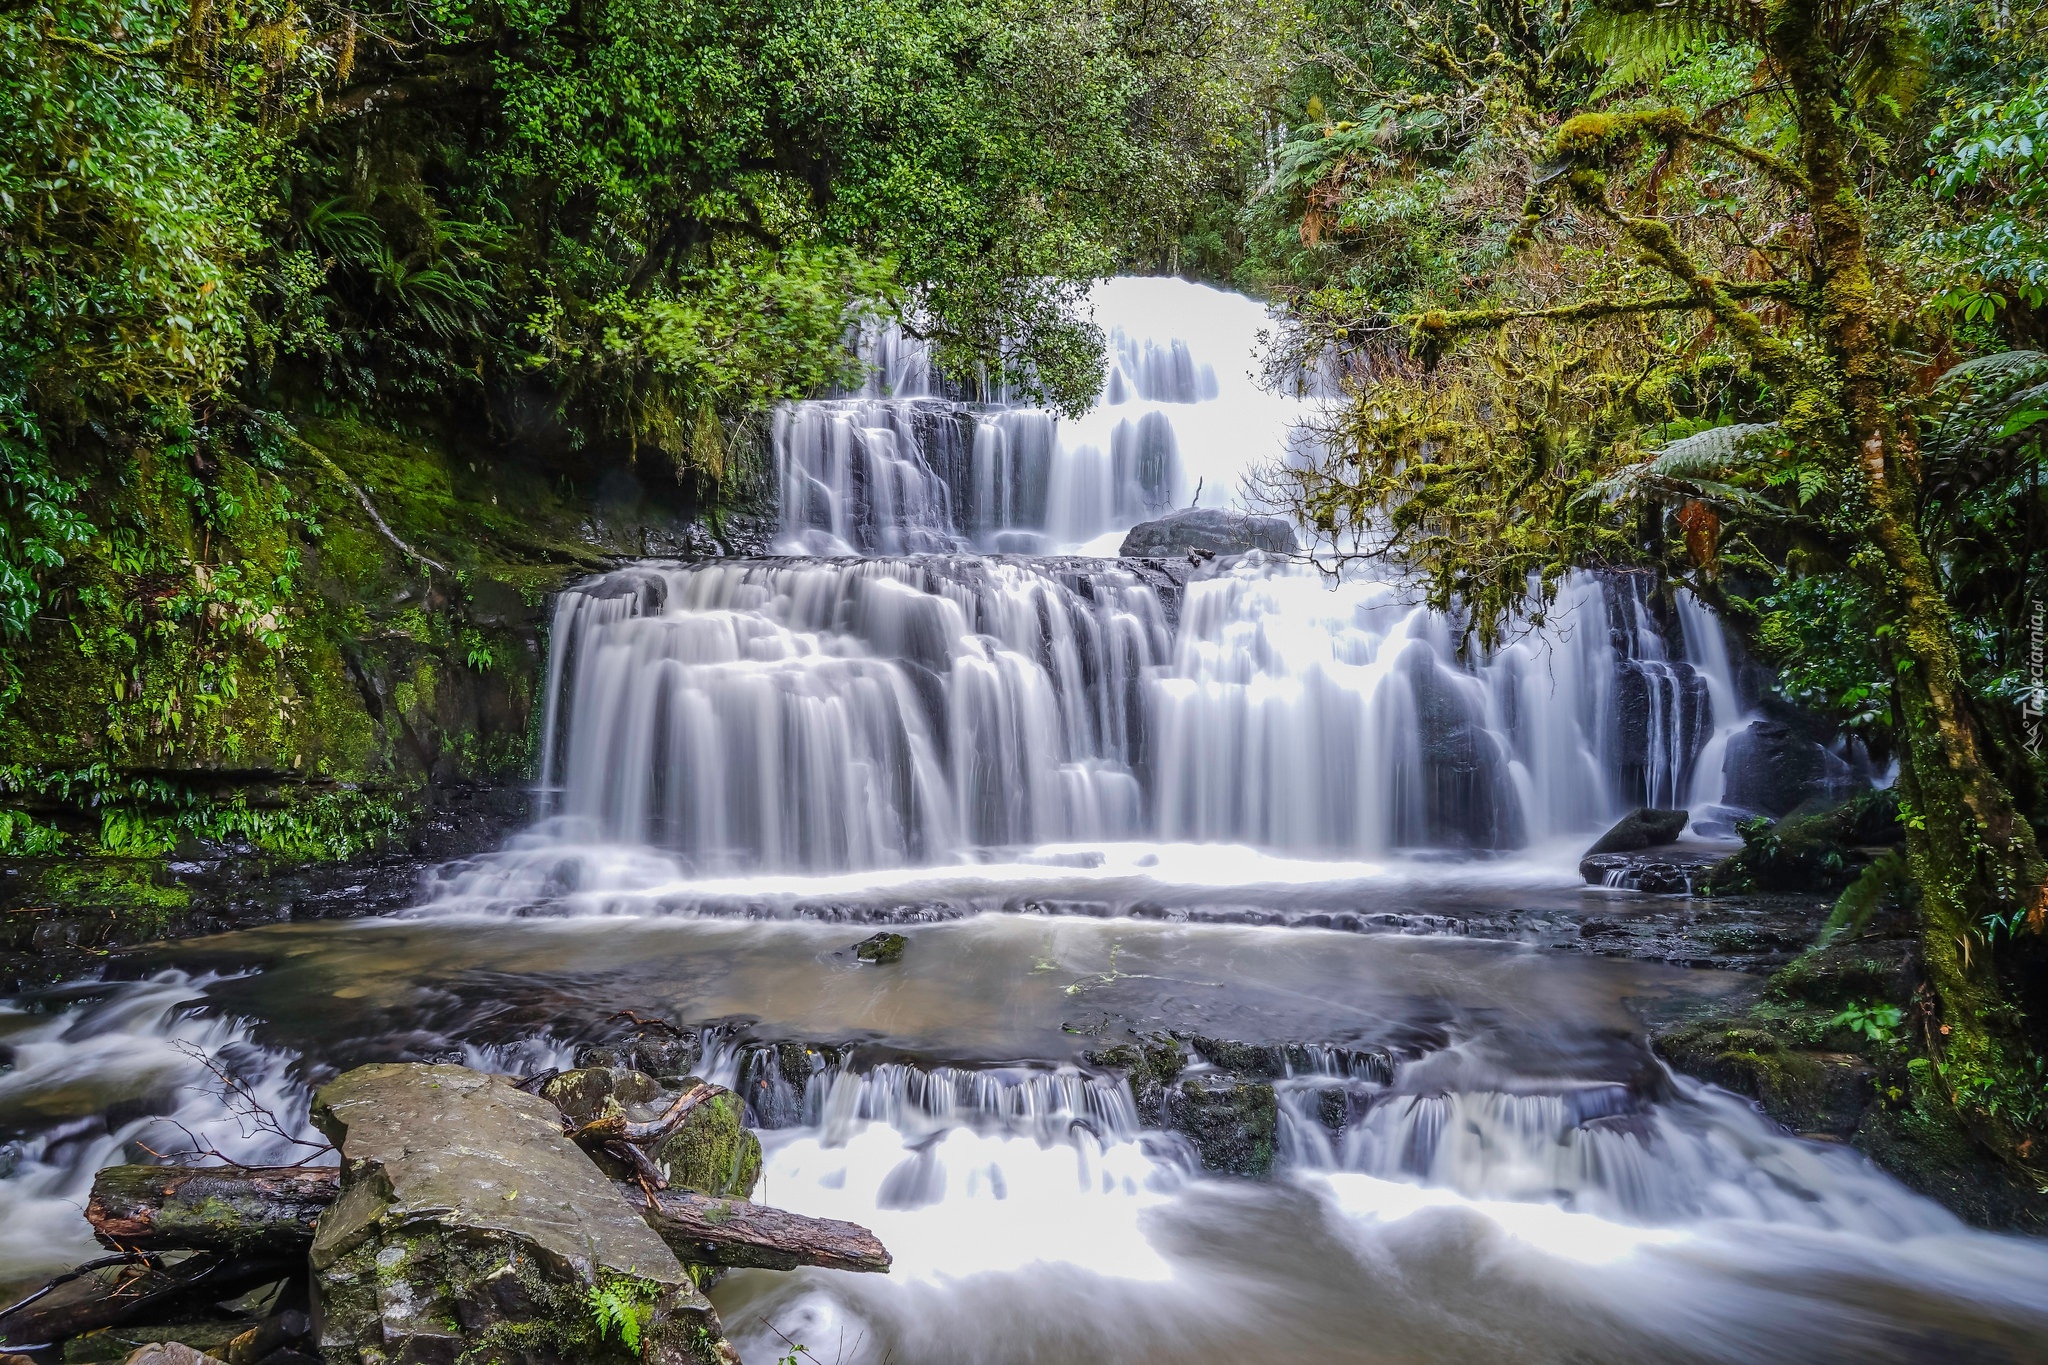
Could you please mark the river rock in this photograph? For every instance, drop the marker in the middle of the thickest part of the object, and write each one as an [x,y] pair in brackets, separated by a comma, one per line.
[1639,829]
[881,948]
[1233,1123]
[775,1077]
[1772,768]
[1149,1065]
[469,1226]
[171,1353]
[713,1151]
[1213,529]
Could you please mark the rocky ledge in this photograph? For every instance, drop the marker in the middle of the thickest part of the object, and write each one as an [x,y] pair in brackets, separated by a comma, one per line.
[561,1220]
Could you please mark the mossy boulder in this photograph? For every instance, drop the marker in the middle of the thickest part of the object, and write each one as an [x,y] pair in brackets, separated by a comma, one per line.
[1821,850]
[1807,1090]
[713,1151]
[469,1227]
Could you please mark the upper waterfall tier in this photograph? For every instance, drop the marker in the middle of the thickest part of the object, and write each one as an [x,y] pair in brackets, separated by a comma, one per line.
[907,467]
[825,715]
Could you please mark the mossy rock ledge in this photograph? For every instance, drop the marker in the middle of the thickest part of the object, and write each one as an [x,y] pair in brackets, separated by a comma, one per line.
[470,1229]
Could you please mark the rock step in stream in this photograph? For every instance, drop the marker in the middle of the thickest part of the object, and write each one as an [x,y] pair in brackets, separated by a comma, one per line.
[464,1213]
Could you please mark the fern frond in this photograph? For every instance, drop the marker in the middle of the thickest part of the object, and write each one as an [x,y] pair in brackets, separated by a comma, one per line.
[1696,466]
[2003,368]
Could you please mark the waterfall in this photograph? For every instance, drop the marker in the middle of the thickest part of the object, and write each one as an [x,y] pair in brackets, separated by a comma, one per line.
[908,688]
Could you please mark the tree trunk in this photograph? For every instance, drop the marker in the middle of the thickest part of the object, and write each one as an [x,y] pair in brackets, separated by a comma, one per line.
[239,1210]
[702,1230]
[1970,851]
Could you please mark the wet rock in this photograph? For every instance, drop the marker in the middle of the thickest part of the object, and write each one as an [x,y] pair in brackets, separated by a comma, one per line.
[1663,871]
[1213,529]
[881,948]
[713,1151]
[171,1353]
[658,1049]
[592,1092]
[1639,829]
[1468,794]
[1652,698]
[1808,1091]
[1772,768]
[775,1078]
[1232,1123]
[1270,1061]
[1149,1065]
[468,1225]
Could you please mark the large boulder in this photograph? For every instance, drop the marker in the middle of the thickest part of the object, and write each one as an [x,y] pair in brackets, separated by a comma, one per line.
[469,1226]
[1772,768]
[1640,829]
[1215,530]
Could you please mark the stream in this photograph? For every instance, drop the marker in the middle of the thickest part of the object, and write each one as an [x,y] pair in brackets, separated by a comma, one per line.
[1233,799]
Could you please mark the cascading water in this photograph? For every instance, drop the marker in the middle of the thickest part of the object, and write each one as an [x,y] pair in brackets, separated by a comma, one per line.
[822,715]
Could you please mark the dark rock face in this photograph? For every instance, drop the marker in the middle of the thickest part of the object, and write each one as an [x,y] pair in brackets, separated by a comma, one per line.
[1232,1123]
[1150,1065]
[1468,796]
[1772,768]
[1639,829]
[1271,1061]
[1211,529]
[775,1078]
[1663,718]
[468,1224]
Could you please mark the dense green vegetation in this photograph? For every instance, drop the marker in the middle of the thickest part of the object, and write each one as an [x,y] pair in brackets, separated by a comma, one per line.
[1747,292]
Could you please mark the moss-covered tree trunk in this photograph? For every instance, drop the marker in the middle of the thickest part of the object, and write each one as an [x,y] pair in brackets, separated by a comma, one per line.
[1972,854]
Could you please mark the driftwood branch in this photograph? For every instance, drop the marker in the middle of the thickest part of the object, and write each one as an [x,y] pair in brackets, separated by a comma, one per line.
[118,1296]
[619,1128]
[737,1232]
[237,1210]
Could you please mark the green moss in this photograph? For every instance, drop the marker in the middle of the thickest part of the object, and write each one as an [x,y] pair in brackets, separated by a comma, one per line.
[713,1152]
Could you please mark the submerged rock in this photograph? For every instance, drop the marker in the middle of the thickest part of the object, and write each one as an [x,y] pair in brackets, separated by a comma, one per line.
[1639,829]
[1232,1123]
[468,1225]
[1149,1066]
[881,948]
[1212,529]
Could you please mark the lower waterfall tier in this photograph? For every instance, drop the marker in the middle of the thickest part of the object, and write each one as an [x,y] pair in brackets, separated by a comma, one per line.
[822,715]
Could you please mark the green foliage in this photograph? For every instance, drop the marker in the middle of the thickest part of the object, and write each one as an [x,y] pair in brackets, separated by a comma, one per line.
[620,1306]
[1880,1023]
[1991,161]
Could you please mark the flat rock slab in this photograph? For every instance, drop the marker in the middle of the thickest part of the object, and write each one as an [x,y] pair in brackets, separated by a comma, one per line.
[466,1219]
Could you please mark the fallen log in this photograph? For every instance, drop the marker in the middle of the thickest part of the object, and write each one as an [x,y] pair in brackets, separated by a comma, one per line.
[272,1210]
[238,1210]
[138,1293]
[738,1233]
